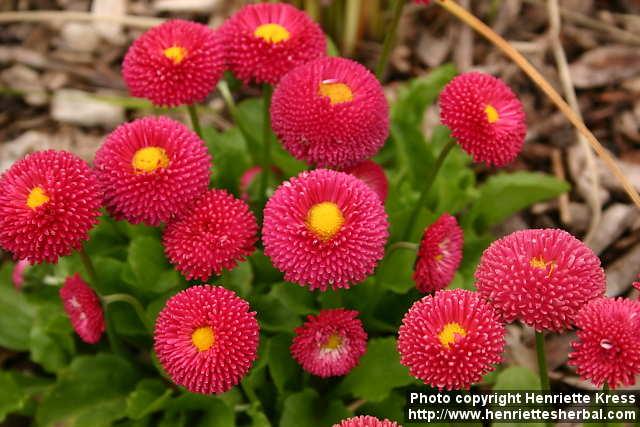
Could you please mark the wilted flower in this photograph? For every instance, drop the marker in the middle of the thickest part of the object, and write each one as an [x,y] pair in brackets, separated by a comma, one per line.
[325,229]
[206,338]
[331,113]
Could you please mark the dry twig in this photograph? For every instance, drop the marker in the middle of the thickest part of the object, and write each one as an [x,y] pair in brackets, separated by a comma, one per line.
[590,195]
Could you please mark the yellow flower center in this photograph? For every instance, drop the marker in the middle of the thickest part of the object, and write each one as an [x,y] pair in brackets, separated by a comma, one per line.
[451,332]
[333,342]
[325,220]
[492,114]
[540,263]
[36,198]
[338,93]
[148,159]
[203,338]
[175,53]
[272,33]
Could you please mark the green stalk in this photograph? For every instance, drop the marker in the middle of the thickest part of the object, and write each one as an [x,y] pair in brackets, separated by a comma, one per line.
[252,143]
[542,362]
[88,265]
[389,39]
[134,303]
[542,366]
[267,92]
[427,186]
[114,342]
[195,121]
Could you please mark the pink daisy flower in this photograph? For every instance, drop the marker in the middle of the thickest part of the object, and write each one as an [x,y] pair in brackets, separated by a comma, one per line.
[249,176]
[637,284]
[451,329]
[608,346]
[485,117]
[152,169]
[324,229]
[331,112]
[177,62]
[264,41]
[17,275]
[206,338]
[48,203]
[331,343]
[439,255]
[372,175]
[366,421]
[215,234]
[540,277]
[83,308]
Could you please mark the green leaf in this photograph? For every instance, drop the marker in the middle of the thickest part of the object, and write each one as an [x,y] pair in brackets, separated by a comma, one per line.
[150,396]
[151,271]
[239,279]
[517,378]
[378,372]
[308,409]
[505,194]
[16,313]
[51,338]
[92,391]
[285,371]
[419,93]
[12,397]
[396,271]
[230,157]
[218,415]
[295,297]
[274,315]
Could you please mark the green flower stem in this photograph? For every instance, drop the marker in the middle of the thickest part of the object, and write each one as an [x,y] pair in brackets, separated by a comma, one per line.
[88,265]
[134,303]
[605,390]
[114,342]
[408,246]
[267,92]
[389,39]
[195,121]
[542,362]
[252,143]
[542,366]
[427,186]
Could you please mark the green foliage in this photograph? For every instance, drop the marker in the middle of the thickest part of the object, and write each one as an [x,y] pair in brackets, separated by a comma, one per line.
[120,382]
[378,373]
